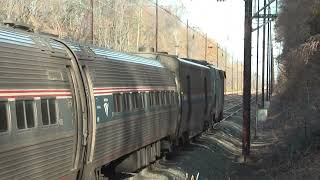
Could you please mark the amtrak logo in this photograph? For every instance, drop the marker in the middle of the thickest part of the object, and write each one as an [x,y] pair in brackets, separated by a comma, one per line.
[106,106]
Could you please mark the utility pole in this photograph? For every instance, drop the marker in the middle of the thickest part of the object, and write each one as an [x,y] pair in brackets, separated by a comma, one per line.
[270,59]
[237,76]
[206,47]
[225,61]
[247,79]
[91,22]
[272,70]
[157,19]
[187,39]
[263,52]
[257,77]
[232,75]
[268,54]
[217,55]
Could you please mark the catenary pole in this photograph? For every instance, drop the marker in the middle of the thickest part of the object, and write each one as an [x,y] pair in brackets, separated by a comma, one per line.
[247,79]
[187,39]
[157,25]
[257,77]
[263,54]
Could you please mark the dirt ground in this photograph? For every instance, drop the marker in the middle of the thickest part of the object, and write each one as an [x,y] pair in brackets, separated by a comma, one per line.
[284,149]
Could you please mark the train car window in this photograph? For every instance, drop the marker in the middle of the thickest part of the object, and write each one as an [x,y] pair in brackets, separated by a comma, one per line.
[121,102]
[160,97]
[25,114]
[29,108]
[140,100]
[154,97]
[173,100]
[163,101]
[45,111]
[163,96]
[53,111]
[20,114]
[128,102]
[135,100]
[118,102]
[168,98]
[164,93]
[157,98]
[130,98]
[154,102]
[48,111]
[3,117]
[124,101]
[151,98]
[143,100]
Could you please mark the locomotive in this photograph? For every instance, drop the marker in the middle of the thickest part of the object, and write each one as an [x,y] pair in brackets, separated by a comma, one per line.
[76,111]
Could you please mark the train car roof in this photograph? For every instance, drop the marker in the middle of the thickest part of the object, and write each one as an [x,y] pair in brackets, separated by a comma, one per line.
[192,63]
[215,67]
[15,37]
[125,57]
[156,53]
[202,62]
[34,40]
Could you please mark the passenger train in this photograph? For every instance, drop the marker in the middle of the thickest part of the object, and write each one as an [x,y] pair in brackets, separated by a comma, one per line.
[74,111]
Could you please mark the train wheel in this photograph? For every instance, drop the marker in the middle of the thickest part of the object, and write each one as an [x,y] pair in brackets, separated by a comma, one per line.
[213,120]
[206,125]
[186,139]
[220,116]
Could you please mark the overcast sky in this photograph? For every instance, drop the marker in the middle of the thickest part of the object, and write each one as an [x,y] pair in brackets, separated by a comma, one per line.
[224,22]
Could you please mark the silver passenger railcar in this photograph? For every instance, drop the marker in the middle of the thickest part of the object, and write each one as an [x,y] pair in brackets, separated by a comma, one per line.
[67,110]
[40,122]
[201,93]
[133,104]
[74,111]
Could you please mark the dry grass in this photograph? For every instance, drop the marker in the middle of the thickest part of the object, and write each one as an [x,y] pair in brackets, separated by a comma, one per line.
[294,120]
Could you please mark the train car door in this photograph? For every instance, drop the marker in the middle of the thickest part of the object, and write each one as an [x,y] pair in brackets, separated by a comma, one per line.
[80,109]
[89,171]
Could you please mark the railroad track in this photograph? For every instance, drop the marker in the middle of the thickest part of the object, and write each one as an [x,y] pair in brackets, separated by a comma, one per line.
[231,109]
[233,104]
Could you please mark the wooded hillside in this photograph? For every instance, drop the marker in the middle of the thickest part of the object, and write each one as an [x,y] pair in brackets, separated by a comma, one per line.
[124,25]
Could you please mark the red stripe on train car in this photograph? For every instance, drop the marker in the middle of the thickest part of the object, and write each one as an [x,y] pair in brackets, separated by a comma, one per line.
[112,88]
[32,90]
[14,93]
[45,95]
[138,87]
[121,90]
